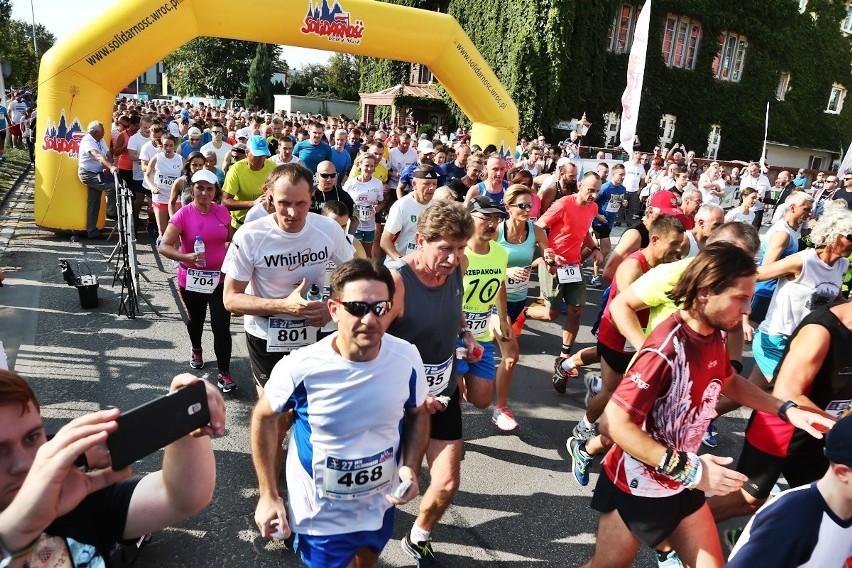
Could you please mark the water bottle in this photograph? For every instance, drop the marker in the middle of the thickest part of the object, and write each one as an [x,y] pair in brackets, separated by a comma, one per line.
[314,294]
[199,251]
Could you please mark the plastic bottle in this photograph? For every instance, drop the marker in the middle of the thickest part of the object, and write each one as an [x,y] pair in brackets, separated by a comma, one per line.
[199,250]
[314,294]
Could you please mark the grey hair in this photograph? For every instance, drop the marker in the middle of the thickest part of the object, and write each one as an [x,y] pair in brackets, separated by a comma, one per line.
[94,126]
[798,198]
[831,224]
[706,210]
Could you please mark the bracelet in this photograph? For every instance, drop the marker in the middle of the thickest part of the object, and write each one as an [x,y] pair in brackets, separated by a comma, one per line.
[463,331]
[594,248]
[664,461]
[782,412]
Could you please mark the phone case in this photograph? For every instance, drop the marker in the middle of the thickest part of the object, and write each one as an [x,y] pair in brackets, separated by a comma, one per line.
[158,423]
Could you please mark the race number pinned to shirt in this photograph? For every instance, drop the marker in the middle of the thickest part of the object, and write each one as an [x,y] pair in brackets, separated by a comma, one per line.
[365,212]
[362,477]
[437,376]
[569,273]
[289,334]
[520,282]
[203,281]
[838,407]
[164,180]
[614,204]
[477,322]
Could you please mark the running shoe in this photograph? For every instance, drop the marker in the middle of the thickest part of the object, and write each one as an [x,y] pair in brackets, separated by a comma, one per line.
[709,438]
[224,382]
[668,559]
[593,386]
[195,359]
[151,229]
[158,241]
[561,376]
[421,552]
[595,281]
[584,434]
[503,419]
[580,460]
[733,535]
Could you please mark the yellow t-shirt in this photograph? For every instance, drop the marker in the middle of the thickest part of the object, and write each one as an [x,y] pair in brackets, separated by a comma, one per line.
[485,273]
[245,184]
[653,286]
[381,172]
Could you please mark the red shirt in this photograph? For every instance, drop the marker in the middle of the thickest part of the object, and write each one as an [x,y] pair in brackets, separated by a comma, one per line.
[568,223]
[608,334]
[670,390]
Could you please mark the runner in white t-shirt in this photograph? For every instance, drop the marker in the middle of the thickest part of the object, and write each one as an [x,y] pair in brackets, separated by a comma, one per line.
[134,148]
[398,236]
[367,193]
[163,169]
[360,427]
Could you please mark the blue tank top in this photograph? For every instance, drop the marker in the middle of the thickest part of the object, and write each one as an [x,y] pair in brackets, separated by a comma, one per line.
[496,197]
[519,255]
[430,321]
[766,288]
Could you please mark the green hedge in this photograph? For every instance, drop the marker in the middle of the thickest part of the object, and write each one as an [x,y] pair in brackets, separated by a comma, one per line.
[551,55]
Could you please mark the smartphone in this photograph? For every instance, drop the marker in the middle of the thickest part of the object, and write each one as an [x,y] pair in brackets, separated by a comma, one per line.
[158,423]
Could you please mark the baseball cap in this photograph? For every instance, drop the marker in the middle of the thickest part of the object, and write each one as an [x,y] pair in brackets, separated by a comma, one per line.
[838,442]
[204,175]
[194,131]
[240,147]
[243,133]
[484,204]
[257,146]
[668,203]
[562,161]
[425,147]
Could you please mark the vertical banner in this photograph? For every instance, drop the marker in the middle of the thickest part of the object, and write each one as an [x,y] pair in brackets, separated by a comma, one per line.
[632,96]
[846,164]
[765,138]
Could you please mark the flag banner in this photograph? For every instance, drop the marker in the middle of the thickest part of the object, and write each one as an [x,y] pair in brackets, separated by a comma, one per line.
[632,96]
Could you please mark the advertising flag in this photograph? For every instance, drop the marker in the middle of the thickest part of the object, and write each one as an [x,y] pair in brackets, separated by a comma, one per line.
[635,74]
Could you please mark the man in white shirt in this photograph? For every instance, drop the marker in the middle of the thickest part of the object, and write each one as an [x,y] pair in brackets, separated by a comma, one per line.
[754,179]
[399,158]
[634,174]
[218,144]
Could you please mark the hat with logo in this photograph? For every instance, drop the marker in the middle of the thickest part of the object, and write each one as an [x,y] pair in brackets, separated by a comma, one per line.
[243,133]
[838,442]
[204,175]
[668,203]
[425,171]
[486,205]
[194,131]
[425,147]
[257,145]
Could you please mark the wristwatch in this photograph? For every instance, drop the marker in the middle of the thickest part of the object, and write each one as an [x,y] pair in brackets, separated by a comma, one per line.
[782,412]
[463,331]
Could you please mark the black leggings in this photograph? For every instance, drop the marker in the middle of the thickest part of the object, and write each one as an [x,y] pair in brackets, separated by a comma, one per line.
[196,305]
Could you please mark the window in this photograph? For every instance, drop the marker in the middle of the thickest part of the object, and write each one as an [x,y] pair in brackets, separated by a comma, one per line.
[713,141]
[680,41]
[846,26]
[420,75]
[667,128]
[728,65]
[835,99]
[621,31]
[612,123]
[783,86]
[816,162]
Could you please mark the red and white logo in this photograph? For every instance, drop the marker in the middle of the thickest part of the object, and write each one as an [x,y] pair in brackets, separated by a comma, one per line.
[332,23]
[61,138]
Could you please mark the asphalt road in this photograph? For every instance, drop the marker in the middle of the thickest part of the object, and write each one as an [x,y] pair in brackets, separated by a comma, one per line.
[518,504]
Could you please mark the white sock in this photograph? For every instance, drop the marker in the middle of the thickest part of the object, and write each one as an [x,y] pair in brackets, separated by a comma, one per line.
[568,364]
[418,534]
[585,424]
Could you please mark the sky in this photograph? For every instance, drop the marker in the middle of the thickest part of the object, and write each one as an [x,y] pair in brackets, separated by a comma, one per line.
[62,17]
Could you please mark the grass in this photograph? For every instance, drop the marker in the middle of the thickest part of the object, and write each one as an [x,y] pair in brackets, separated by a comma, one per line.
[16,162]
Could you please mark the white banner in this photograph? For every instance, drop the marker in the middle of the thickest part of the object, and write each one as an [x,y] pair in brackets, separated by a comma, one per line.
[632,96]
[846,164]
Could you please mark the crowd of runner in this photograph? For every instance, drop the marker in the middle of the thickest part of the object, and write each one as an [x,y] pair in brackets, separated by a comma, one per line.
[379,272]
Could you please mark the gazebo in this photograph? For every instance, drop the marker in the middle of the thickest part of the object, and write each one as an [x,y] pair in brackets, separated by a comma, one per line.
[417,104]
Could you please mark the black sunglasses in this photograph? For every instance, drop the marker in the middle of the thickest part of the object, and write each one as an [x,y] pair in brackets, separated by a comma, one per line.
[524,206]
[361,309]
[327,176]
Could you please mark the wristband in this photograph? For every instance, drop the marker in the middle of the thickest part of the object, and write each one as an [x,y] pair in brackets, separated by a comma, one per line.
[782,412]
[594,248]
[464,331]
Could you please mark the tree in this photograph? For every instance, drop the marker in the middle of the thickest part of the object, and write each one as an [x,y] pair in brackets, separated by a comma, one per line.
[16,43]
[259,94]
[343,76]
[210,66]
[309,80]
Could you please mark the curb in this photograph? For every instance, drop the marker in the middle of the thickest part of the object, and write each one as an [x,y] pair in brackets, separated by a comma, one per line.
[16,184]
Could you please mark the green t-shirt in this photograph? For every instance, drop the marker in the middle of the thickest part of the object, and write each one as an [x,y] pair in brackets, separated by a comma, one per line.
[485,273]
[245,184]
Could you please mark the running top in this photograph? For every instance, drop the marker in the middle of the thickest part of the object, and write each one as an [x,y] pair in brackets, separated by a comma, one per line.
[817,286]
[345,448]
[166,171]
[831,390]
[365,196]
[608,333]
[569,224]
[485,273]
[430,321]
[766,288]
[519,255]
[214,230]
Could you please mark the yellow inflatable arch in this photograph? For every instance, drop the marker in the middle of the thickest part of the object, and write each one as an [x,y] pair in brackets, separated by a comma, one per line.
[80,76]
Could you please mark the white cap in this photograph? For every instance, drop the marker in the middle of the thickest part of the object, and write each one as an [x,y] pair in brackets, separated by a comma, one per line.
[562,161]
[425,147]
[204,175]
[194,131]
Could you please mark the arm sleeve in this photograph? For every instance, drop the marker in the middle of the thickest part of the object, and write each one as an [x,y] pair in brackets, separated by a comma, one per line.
[647,377]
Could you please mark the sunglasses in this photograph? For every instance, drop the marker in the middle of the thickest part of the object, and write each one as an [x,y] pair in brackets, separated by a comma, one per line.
[361,309]
[215,132]
[524,206]
[327,176]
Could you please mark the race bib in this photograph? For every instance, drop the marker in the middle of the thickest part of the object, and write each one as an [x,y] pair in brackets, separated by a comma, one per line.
[352,479]
[289,334]
[365,212]
[437,376]
[477,322]
[165,181]
[518,284]
[569,273]
[203,281]
[613,206]
[410,247]
[838,407]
